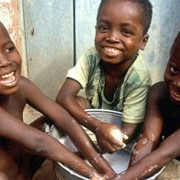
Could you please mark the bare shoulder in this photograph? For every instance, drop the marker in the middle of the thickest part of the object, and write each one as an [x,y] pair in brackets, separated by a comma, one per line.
[24,81]
[159,86]
[25,84]
[158,91]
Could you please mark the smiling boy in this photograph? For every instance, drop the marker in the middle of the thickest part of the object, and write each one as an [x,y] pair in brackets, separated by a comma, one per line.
[23,147]
[113,74]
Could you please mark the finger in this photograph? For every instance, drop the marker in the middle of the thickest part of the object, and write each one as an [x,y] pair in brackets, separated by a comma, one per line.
[117,143]
[124,136]
[123,145]
[107,147]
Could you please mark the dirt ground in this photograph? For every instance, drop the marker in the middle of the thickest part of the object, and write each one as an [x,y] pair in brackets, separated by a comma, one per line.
[171,172]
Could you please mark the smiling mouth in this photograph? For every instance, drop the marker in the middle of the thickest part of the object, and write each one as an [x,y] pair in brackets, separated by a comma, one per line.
[175,96]
[111,51]
[8,79]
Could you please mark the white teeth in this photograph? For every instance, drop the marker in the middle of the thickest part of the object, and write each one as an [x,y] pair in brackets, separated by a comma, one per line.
[112,50]
[7,75]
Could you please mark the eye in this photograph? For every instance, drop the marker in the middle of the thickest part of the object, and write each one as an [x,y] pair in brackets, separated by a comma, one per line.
[102,28]
[10,48]
[174,70]
[127,32]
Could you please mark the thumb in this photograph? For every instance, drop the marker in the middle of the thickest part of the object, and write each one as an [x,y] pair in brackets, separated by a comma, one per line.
[124,136]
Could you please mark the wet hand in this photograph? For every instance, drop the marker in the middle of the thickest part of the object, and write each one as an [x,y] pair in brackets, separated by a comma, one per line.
[117,177]
[141,149]
[97,176]
[110,137]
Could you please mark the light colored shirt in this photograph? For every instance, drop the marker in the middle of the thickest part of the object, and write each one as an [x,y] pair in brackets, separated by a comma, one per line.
[130,96]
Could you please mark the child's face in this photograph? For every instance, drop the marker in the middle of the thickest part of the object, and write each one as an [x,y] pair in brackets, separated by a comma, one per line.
[119,31]
[172,73]
[10,64]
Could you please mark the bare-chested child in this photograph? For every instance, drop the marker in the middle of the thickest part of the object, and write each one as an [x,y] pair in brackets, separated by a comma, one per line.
[19,141]
[160,139]
[113,74]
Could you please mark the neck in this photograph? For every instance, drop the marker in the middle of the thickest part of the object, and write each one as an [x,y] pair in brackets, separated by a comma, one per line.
[117,69]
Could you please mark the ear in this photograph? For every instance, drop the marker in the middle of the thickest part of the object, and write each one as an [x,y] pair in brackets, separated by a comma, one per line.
[144,41]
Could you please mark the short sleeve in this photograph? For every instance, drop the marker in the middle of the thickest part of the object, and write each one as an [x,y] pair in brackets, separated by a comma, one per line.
[135,104]
[136,87]
[80,71]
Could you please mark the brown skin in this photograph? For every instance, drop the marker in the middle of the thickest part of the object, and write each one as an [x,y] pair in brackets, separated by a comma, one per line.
[119,27]
[162,119]
[19,141]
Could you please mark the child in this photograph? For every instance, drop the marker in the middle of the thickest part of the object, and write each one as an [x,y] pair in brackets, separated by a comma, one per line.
[113,75]
[162,123]
[18,140]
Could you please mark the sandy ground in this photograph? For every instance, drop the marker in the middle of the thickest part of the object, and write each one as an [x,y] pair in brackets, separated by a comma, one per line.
[171,172]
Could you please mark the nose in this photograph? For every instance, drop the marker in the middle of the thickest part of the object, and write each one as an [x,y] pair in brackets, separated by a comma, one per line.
[4,60]
[113,36]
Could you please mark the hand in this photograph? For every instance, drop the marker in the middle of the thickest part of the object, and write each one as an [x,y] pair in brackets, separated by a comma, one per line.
[117,177]
[140,149]
[97,176]
[110,137]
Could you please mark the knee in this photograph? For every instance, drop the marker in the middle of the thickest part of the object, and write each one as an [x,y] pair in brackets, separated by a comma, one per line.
[3,176]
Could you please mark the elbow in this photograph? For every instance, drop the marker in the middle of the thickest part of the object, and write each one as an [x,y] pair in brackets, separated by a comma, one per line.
[61,99]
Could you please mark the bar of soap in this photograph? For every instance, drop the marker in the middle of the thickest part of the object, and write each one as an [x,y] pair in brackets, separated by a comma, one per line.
[117,135]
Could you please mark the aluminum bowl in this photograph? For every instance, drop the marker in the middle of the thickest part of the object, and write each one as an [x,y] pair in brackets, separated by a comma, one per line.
[119,160]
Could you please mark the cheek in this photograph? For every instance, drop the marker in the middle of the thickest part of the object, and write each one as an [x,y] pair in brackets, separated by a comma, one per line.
[97,38]
[166,74]
[131,44]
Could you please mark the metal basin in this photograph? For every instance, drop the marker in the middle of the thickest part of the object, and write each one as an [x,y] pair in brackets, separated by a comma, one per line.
[119,160]
[114,160]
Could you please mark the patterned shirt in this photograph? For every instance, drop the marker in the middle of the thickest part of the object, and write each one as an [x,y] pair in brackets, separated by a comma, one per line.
[130,96]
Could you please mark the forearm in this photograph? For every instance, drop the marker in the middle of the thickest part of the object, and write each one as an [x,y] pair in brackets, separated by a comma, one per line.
[143,147]
[73,107]
[145,168]
[88,149]
[154,161]
[52,149]
[131,130]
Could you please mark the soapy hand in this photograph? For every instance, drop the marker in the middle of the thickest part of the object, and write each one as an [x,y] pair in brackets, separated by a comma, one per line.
[110,137]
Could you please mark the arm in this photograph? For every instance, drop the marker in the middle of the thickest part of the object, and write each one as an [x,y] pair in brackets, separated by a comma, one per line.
[143,162]
[152,128]
[134,108]
[154,161]
[67,97]
[41,144]
[64,121]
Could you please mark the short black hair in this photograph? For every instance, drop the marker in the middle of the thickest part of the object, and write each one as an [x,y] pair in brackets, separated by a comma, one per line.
[177,38]
[146,9]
